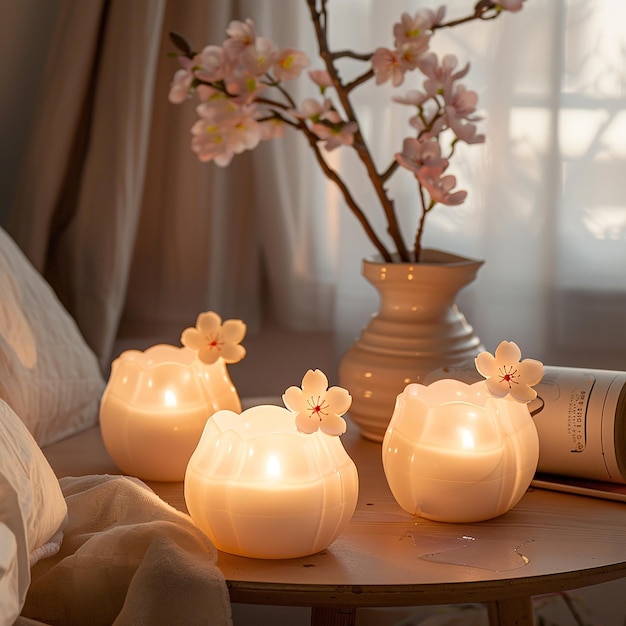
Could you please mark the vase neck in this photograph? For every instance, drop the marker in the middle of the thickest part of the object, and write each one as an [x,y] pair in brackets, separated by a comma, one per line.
[416,289]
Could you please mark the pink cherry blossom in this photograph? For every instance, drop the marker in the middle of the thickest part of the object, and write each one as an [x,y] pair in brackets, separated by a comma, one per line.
[440,76]
[209,144]
[289,64]
[511,5]
[417,153]
[312,109]
[241,129]
[335,135]
[321,78]
[464,130]
[461,104]
[387,66]
[241,35]
[409,54]
[181,84]
[316,406]
[258,57]
[507,374]
[409,29]
[440,187]
[211,64]
[180,88]
[462,100]
[244,135]
[243,86]
[224,130]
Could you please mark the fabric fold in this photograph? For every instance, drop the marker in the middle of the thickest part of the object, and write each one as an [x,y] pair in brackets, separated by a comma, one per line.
[127,558]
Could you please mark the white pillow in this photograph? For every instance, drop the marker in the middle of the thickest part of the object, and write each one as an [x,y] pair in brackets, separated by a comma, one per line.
[14,576]
[32,510]
[9,577]
[48,374]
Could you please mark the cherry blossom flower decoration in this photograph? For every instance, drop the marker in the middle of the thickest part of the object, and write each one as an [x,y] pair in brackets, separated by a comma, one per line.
[213,340]
[316,406]
[506,373]
[244,99]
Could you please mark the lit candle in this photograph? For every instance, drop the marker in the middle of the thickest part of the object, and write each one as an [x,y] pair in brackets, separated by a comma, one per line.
[157,402]
[465,453]
[260,486]
[155,406]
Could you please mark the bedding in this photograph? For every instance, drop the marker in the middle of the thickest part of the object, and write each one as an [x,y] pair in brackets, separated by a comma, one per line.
[33,511]
[48,374]
[10,593]
[85,549]
[127,559]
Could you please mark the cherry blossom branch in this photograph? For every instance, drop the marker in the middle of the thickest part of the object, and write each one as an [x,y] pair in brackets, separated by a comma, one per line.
[282,90]
[319,19]
[329,172]
[417,246]
[484,9]
[333,175]
[390,171]
[359,56]
[481,12]
[249,64]
[359,80]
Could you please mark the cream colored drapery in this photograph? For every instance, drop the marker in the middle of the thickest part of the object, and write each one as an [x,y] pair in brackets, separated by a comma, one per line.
[115,210]
[123,220]
[77,209]
[112,208]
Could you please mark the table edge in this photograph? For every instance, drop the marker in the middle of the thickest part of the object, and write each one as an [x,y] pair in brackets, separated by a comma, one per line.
[421,594]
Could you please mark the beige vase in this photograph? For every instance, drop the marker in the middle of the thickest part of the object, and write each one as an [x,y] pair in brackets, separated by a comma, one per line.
[417,329]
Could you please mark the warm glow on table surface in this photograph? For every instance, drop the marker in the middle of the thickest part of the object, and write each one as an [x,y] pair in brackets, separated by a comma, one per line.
[569,541]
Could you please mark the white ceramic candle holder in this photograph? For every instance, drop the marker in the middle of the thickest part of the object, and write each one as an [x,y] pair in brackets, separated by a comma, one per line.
[457,453]
[260,487]
[156,403]
[155,406]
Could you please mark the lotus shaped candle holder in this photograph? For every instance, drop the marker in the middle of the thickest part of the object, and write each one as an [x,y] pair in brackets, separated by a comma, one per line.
[455,453]
[259,487]
[155,406]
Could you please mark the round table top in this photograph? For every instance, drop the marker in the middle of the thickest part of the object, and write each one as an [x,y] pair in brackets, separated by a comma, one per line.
[385,557]
[549,542]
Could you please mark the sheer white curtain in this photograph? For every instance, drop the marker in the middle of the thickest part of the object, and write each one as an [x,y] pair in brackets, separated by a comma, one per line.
[546,206]
[512,180]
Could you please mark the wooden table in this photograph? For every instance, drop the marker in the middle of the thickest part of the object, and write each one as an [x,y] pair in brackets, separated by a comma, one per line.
[549,542]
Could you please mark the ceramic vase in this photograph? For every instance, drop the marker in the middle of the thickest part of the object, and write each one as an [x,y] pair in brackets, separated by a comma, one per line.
[417,329]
